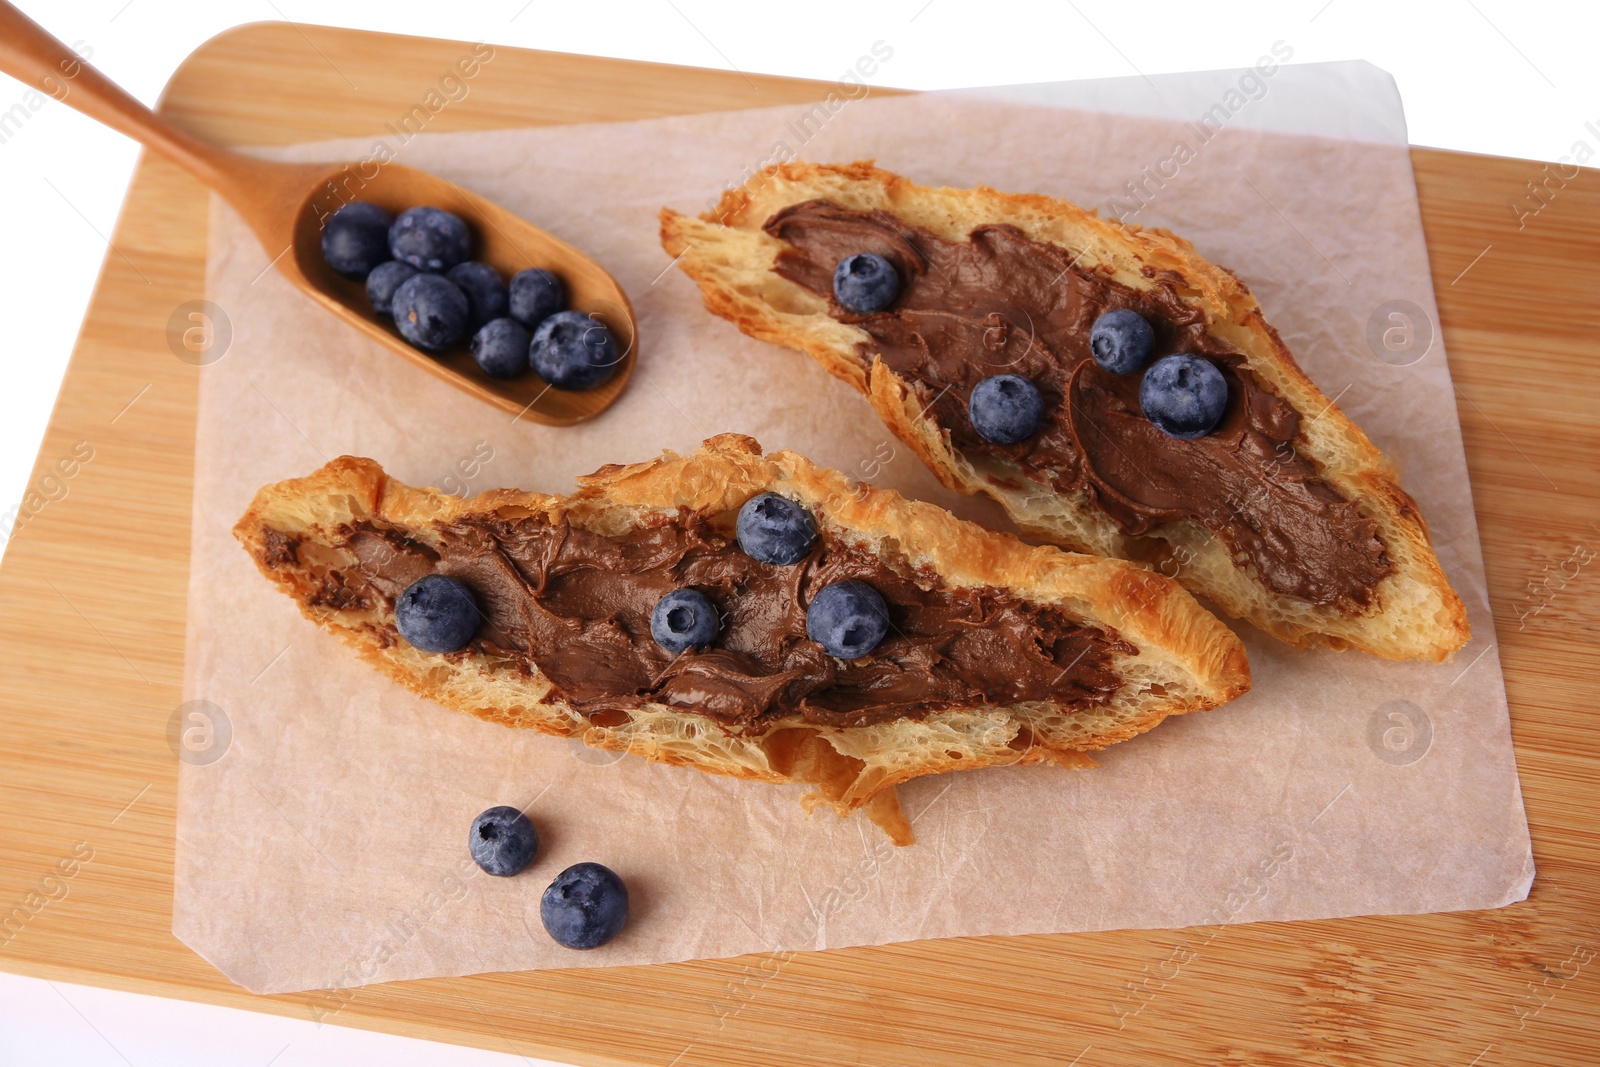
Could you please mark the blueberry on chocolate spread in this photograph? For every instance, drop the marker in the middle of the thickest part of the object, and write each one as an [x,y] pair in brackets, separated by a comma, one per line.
[1005,409]
[848,619]
[865,283]
[502,841]
[1120,341]
[774,529]
[1183,396]
[684,619]
[437,614]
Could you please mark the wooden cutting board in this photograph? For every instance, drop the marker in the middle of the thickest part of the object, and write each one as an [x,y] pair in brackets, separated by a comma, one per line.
[92,625]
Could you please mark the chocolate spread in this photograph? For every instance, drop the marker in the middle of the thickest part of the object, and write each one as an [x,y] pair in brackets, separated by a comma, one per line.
[1001,303]
[576,605]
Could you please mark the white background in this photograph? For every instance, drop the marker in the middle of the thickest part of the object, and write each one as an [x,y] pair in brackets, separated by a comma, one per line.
[1491,76]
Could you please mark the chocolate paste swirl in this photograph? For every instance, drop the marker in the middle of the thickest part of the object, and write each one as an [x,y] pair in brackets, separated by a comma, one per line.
[1001,303]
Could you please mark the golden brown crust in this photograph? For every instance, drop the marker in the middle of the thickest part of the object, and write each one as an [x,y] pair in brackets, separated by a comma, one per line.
[1415,612]
[1186,659]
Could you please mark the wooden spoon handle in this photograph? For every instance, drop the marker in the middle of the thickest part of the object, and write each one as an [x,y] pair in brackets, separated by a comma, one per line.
[30,54]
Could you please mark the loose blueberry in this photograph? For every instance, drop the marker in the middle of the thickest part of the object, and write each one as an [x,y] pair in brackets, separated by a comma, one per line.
[1121,341]
[503,841]
[1005,409]
[356,238]
[429,239]
[437,614]
[430,311]
[684,619]
[571,350]
[501,348]
[848,619]
[485,292]
[383,281]
[1184,396]
[865,283]
[585,906]
[535,296]
[774,529]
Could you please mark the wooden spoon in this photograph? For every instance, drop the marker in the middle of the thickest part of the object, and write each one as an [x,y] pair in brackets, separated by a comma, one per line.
[286,205]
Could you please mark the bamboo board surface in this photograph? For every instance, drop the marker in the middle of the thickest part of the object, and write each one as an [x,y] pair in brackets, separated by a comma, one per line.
[92,625]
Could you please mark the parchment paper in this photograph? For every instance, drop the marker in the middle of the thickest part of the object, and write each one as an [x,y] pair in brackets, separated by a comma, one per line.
[326,845]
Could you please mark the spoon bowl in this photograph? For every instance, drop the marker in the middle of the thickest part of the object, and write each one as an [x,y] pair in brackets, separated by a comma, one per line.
[288,204]
[501,239]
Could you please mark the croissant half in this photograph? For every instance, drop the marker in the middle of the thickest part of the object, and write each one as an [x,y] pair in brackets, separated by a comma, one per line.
[1297,524]
[550,572]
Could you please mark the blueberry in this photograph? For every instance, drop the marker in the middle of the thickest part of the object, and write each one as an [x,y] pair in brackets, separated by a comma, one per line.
[430,311]
[429,239]
[684,619]
[848,619]
[503,841]
[501,348]
[1121,340]
[437,614]
[535,296]
[1005,409]
[356,238]
[383,281]
[774,529]
[865,283]
[485,292]
[585,906]
[1184,396]
[571,350]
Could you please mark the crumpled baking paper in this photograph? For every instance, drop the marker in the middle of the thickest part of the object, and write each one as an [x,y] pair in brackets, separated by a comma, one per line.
[323,812]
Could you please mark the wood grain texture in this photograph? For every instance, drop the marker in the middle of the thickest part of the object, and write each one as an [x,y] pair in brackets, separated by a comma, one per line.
[91,620]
